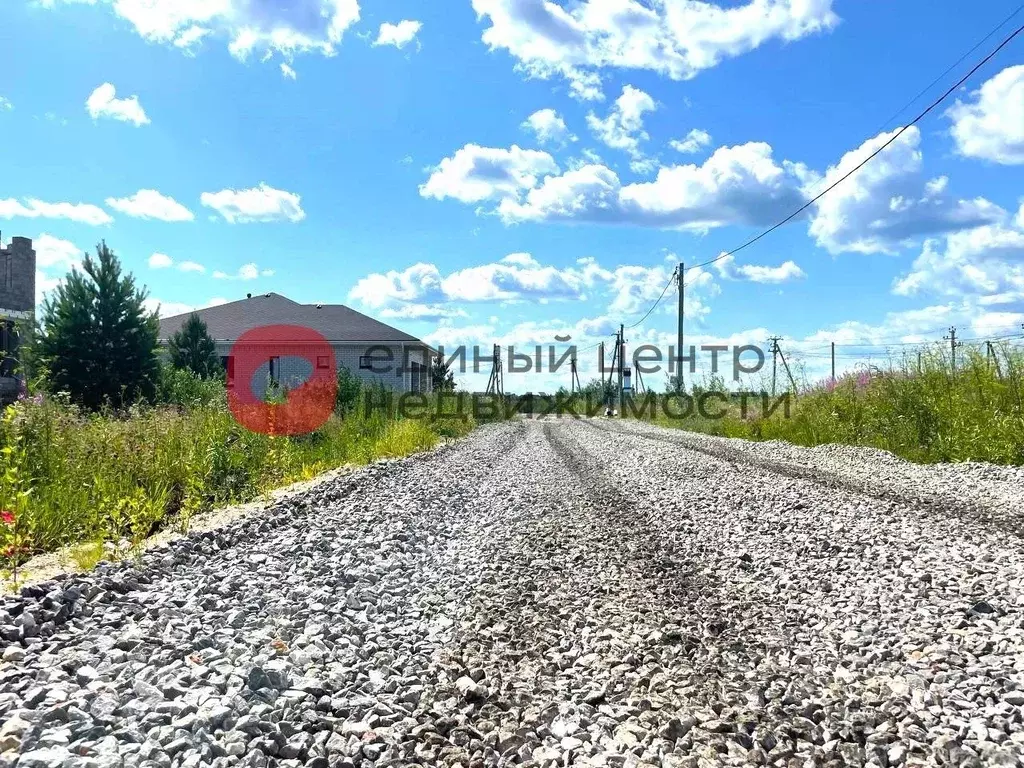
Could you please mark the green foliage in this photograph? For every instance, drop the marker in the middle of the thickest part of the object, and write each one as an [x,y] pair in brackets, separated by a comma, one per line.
[98,342]
[441,376]
[76,477]
[349,389]
[183,388]
[925,414]
[192,348]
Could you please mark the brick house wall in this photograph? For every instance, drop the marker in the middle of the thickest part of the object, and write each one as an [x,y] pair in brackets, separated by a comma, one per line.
[17,303]
[367,362]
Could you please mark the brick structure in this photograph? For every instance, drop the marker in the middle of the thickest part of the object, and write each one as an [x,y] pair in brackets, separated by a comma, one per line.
[17,303]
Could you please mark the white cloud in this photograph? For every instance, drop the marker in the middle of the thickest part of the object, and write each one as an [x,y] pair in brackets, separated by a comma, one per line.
[985,262]
[264,27]
[32,208]
[163,261]
[675,38]
[245,272]
[53,252]
[288,72]
[548,126]
[150,204]
[173,308]
[398,35]
[625,289]
[736,185]
[623,128]
[991,126]
[103,102]
[262,203]
[5,105]
[424,312]
[755,273]
[160,261]
[476,173]
[888,203]
[695,141]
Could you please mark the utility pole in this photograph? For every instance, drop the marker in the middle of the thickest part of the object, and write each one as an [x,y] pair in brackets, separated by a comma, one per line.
[953,344]
[785,365]
[622,353]
[833,362]
[574,381]
[679,333]
[774,356]
[496,383]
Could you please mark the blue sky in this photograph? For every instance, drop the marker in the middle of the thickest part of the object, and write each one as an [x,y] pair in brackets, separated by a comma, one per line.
[481,171]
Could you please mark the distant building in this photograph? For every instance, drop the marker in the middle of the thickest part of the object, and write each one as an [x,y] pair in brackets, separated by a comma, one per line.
[17,303]
[374,352]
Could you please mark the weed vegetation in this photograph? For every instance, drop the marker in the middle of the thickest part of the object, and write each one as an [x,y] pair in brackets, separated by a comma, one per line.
[925,412]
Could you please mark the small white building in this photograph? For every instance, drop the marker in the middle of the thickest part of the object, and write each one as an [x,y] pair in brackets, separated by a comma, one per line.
[372,351]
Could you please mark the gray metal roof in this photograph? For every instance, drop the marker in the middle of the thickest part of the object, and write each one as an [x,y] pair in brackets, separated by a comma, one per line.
[334,322]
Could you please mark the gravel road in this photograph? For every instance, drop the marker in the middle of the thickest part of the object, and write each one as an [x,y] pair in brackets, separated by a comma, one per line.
[551,593]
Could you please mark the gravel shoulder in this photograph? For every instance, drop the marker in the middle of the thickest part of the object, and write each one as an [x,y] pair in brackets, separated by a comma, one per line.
[548,592]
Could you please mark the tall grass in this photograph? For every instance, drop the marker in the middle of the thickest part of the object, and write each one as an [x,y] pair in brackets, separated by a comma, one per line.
[71,477]
[926,413]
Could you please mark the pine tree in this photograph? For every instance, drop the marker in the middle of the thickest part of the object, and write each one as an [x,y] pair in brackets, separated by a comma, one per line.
[441,377]
[98,341]
[192,347]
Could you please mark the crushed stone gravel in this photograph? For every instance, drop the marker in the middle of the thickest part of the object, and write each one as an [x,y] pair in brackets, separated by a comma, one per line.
[550,592]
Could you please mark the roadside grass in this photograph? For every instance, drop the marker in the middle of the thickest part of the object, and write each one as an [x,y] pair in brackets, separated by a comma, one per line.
[82,479]
[924,414]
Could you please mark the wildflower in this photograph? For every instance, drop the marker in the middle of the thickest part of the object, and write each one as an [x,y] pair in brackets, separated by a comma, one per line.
[7,517]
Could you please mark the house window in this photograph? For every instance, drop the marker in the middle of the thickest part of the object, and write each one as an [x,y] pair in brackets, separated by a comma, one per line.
[322,362]
[374,363]
[275,370]
[228,361]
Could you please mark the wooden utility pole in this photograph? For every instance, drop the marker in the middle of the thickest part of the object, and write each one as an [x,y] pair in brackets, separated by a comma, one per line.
[574,381]
[496,382]
[785,365]
[833,362]
[774,341]
[622,353]
[679,331]
[953,344]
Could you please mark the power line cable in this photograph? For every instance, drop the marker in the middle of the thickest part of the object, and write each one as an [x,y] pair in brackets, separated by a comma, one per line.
[874,154]
[656,303]
[870,157]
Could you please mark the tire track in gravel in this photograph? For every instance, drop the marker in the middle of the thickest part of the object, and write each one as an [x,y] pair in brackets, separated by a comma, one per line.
[926,502]
[874,600]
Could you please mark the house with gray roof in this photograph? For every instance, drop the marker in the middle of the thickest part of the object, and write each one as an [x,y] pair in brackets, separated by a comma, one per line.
[374,352]
[17,304]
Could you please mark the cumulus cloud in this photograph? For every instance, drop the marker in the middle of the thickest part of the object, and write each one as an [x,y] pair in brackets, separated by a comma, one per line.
[258,204]
[991,125]
[517,277]
[5,105]
[160,261]
[398,35]
[245,272]
[423,312]
[54,252]
[889,202]
[548,126]
[756,273]
[623,127]
[985,262]
[31,208]
[264,27]
[474,173]
[287,71]
[174,308]
[103,102]
[736,185]
[150,204]
[695,141]
[674,38]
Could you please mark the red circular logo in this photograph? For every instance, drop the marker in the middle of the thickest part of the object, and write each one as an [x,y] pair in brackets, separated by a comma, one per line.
[282,380]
